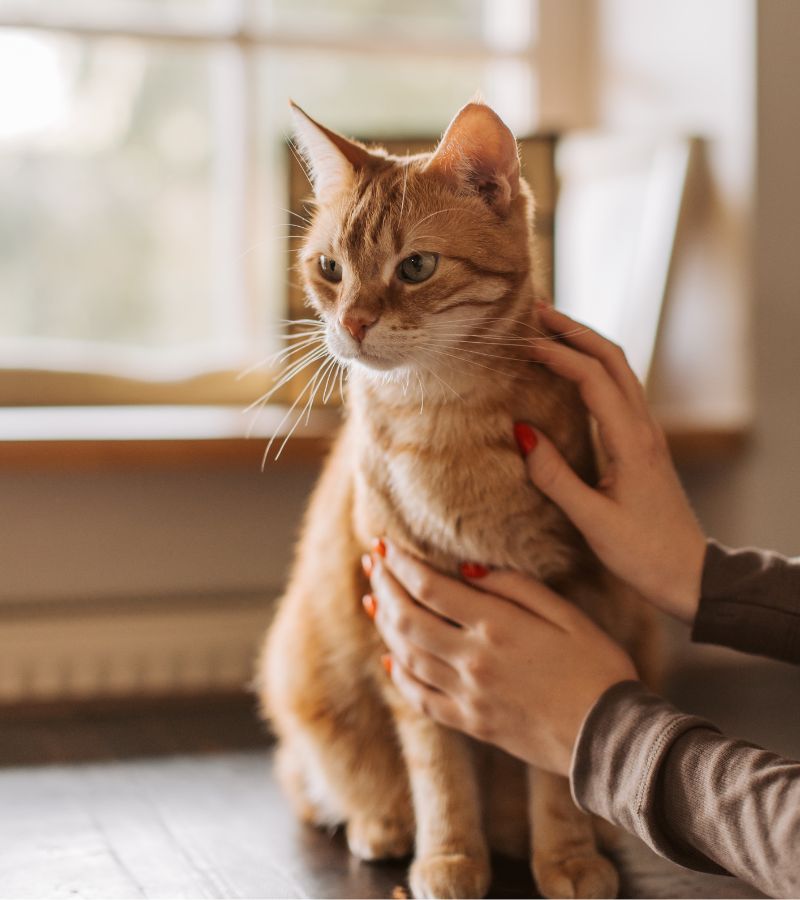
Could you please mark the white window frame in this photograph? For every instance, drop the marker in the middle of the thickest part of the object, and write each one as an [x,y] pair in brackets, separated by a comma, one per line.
[238,38]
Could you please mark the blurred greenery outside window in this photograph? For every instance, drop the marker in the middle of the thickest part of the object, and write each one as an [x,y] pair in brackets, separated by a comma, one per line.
[143,170]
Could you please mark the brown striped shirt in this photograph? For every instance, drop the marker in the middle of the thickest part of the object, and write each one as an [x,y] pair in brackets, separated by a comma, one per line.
[703,800]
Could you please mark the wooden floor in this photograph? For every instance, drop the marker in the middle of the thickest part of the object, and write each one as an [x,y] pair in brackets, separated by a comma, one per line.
[215,826]
[212,823]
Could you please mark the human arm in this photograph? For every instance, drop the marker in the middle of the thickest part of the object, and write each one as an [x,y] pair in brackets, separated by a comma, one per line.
[750,600]
[697,797]
[516,665]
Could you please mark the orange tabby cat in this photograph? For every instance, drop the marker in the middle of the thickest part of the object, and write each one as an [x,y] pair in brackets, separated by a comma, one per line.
[422,270]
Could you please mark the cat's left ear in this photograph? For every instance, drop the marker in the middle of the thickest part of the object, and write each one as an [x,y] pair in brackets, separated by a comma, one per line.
[479,152]
[333,159]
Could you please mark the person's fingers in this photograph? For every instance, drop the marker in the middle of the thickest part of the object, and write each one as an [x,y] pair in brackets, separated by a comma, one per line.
[590,511]
[611,355]
[531,595]
[425,667]
[442,595]
[617,419]
[399,617]
[424,698]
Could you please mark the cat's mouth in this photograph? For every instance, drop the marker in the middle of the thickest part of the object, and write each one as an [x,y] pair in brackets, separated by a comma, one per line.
[349,352]
[373,360]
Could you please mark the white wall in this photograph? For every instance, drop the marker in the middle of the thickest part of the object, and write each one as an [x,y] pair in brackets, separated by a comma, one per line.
[727,70]
[767,482]
[139,534]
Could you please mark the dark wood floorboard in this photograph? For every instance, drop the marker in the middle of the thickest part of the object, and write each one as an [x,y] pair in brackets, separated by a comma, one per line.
[120,729]
[216,826]
[171,806]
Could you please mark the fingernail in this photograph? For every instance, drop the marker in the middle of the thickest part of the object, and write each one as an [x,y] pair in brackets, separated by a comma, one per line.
[378,547]
[526,437]
[366,564]
[473,570]
[370,605]
[386,662]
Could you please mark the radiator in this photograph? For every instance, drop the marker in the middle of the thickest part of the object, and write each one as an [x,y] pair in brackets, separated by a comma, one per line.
[94,648]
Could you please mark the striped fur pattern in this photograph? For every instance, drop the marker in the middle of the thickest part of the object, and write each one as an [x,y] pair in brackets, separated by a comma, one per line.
[427,456]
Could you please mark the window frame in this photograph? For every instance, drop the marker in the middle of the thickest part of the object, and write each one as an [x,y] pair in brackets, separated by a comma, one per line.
[237,39]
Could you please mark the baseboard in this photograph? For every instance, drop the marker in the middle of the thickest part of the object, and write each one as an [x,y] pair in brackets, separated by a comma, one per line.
[95,648]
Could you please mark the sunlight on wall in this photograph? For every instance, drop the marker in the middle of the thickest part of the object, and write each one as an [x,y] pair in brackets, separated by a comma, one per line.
[33,87]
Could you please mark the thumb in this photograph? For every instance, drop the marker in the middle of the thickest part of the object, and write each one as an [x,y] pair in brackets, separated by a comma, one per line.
[589,510]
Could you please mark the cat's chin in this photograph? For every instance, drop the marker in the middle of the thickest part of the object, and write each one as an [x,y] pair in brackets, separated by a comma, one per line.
[368,359]
[374,362]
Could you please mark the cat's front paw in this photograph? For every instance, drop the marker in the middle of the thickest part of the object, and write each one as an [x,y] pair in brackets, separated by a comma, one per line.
[450,875]
[380,837]
[576,876]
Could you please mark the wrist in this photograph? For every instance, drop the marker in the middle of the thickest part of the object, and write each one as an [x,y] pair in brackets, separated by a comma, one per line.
[683,597]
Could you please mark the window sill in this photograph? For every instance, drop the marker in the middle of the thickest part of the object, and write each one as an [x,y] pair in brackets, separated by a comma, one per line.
[103,438]
[110,438]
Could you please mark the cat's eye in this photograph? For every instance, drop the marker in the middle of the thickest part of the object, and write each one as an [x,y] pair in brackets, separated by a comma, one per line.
[331,270]
[417,267]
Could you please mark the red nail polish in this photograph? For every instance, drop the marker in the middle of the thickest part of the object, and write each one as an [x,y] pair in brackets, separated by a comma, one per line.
[526,437]
[386,662]
[473,570]
[370,605]
[379,547]
[366,564]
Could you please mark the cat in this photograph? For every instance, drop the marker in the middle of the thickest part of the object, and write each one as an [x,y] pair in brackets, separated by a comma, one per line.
[422,269]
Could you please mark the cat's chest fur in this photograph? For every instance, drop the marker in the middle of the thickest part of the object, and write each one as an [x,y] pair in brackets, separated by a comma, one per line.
[449,482]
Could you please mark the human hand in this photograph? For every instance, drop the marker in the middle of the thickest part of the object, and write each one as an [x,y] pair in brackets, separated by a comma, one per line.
[502,658]
[638,520]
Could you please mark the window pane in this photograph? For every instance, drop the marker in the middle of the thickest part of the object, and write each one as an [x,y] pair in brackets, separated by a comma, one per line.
[452,19]
[110,179]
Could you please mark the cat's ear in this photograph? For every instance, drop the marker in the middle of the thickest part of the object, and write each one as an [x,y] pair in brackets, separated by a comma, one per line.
[479,152]
[333,159]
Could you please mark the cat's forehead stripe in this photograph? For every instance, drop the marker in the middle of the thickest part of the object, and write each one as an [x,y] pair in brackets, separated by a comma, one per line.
[367,217]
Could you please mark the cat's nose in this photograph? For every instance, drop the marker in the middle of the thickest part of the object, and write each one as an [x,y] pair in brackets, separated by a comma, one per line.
[357,322]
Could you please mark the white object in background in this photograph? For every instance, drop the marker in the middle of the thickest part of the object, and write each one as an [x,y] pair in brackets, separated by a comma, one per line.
[617,216]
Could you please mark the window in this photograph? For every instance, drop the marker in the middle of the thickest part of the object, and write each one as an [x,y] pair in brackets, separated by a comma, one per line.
[144,170]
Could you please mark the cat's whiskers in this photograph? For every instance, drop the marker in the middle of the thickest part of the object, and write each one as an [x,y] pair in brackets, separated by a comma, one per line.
[284,355]
[294,369]
[540,335]
[473,352]
[330,381]
[421,392]
[329,367]
[309,338]
[441,380]
[309,385]
[301,162]
[476,338]
[294,213]
[438,351]
[316,323]
[517,372]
